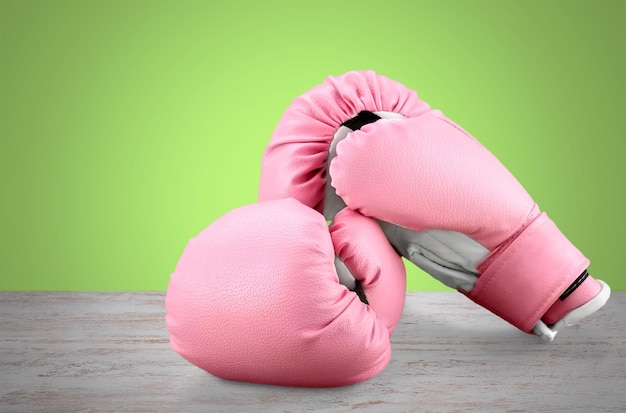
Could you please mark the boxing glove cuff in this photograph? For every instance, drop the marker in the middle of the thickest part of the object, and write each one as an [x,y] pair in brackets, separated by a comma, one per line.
[521,280]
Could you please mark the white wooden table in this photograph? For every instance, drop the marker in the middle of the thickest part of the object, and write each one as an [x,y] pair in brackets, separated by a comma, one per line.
[71,352]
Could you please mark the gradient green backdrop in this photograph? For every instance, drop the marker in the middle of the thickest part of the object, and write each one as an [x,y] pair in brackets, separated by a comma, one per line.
[128,126]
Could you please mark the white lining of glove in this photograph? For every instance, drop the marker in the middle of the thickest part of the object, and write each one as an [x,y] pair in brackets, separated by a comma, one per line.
[345,276]
[449,256]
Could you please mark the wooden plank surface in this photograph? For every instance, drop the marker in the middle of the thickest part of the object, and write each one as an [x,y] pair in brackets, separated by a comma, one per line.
[81,352]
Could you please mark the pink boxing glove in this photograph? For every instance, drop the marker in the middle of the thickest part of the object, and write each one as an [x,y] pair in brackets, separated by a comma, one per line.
[443,200]
[256,297]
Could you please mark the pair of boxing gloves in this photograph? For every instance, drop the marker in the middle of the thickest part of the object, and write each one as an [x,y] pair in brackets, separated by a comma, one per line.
[271,293]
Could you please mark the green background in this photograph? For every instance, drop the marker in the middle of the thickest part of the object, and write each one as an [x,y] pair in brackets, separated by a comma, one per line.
[128,126]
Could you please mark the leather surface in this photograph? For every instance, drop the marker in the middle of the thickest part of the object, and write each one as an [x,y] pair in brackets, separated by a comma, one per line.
[294,162]
[255,297]
[363,247]
[426,173]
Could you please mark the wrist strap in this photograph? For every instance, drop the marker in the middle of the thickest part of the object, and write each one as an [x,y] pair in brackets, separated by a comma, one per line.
[523,280]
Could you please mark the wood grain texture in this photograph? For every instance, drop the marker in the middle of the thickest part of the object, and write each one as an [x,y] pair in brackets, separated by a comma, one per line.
[100,352]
